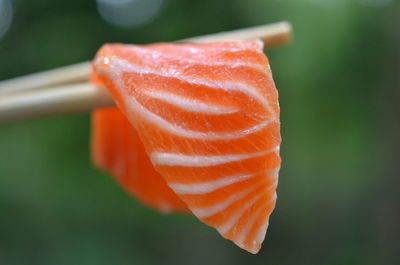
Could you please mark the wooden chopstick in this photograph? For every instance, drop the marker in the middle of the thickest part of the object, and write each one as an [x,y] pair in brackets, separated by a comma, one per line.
[272,35]
[57,91]
[60,76]
[69,99]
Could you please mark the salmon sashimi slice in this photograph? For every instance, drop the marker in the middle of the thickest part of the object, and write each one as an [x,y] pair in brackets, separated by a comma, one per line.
[208,118]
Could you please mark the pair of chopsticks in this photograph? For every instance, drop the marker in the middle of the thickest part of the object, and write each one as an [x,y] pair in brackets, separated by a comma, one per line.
[66,90]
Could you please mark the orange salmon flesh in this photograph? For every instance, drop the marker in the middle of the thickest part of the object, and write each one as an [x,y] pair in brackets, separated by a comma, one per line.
[196,130]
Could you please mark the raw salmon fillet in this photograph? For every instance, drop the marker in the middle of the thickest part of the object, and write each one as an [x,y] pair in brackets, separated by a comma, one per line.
[197,129]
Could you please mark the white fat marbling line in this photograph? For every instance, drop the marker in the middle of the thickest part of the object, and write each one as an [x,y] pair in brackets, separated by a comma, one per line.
[164,124]
[190,105]
[210,211]
[154,53]
[209,186]
[233,220]
[120,66]
[172,159]
[177,130]
[238,47]
[262,230]
[244,232]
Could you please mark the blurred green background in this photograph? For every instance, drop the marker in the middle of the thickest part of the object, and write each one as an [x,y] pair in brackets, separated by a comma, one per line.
[338,198]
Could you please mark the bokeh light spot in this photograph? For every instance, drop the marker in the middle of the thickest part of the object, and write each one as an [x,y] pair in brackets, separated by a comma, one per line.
[128,13]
